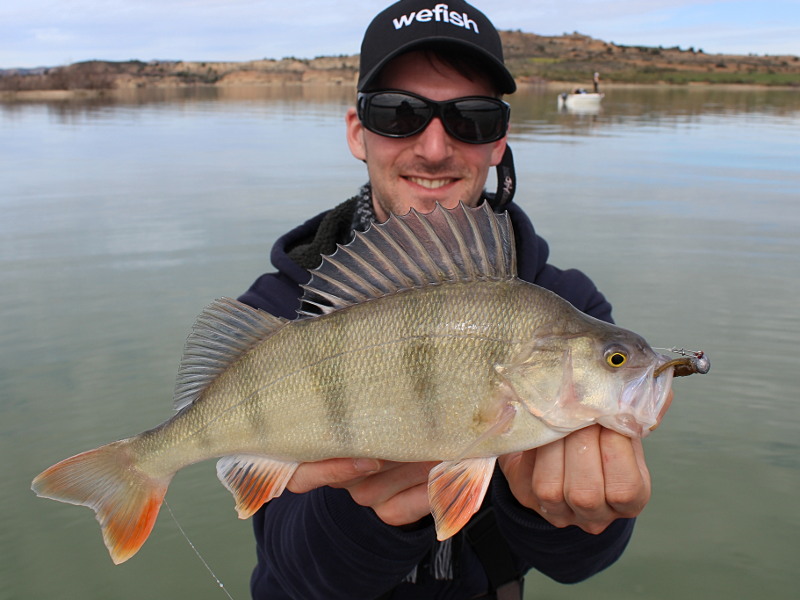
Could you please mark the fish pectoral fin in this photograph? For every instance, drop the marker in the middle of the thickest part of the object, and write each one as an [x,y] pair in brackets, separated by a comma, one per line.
[456,490]
[254,480]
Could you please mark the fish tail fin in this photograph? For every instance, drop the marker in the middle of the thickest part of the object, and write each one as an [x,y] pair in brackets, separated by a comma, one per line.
[125,499]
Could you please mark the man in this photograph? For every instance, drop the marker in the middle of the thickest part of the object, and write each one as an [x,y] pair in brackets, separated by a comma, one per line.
[361,528]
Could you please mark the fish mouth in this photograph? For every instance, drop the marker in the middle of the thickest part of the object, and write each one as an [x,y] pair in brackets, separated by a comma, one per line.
[643,400]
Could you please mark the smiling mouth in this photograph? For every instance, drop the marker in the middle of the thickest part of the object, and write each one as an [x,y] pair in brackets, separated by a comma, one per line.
[431,184]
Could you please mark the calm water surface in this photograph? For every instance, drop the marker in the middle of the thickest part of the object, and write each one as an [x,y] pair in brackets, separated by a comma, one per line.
[121,220]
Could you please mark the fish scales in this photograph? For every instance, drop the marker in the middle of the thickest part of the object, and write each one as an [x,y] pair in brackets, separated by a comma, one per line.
[354,387]
[417,343]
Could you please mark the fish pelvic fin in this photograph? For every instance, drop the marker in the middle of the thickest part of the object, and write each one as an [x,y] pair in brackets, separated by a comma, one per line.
[455,492]
[126,500]
[412,251]
[254,480]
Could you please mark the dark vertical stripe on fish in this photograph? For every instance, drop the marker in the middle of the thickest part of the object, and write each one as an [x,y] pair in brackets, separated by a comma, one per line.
[422,356]
[419,361]
[260,421]
[328,379]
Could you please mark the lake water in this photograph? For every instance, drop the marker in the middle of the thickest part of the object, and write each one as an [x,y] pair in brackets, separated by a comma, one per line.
[121,220]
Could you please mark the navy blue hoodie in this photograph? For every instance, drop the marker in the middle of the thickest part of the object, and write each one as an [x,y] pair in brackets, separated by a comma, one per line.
[322,545]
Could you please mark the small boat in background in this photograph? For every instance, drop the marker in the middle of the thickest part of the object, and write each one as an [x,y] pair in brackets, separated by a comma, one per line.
[580,100]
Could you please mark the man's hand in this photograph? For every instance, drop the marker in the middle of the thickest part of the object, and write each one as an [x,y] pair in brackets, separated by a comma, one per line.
[589,478]
[397,492]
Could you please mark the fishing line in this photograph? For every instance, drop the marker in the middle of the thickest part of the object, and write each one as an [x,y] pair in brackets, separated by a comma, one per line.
[192,546]
[682,351]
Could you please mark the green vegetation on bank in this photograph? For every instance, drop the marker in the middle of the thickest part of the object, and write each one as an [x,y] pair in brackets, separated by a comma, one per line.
[683,77]
[651,75]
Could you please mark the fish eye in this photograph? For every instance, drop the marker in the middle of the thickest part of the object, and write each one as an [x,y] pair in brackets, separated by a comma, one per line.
[616,359]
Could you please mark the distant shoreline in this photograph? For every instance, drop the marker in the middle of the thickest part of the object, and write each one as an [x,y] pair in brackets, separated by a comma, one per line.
[532,59]
[125,93]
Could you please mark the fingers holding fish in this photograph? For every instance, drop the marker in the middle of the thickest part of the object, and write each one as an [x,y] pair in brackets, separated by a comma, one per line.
[584,481]
[565,483]
[590,478]
[627,479]
[398,493]
[335,472]
[605,478]
[518,470]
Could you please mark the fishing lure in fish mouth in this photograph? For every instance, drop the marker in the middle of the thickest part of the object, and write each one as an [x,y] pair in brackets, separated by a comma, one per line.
[689,362]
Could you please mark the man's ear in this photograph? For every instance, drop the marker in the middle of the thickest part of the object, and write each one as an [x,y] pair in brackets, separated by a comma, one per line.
[355,135]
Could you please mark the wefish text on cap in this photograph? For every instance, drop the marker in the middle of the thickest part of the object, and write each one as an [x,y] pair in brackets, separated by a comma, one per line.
[438,13]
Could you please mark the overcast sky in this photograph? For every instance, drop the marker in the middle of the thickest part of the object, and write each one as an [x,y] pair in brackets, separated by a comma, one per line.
[56,32]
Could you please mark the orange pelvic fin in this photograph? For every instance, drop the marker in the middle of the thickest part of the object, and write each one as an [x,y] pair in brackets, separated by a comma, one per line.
[456,490]
[126,501]
[254,480]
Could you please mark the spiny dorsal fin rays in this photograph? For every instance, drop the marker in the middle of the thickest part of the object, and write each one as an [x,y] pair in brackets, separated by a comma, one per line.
[371,276]
[492,251]
[394,256]
[338,291]
[224,331]
[393,273]
[469,268]
[418,248]
[414,250]
[477,247]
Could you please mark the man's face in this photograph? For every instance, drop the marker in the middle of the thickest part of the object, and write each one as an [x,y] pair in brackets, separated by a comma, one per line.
[430,167]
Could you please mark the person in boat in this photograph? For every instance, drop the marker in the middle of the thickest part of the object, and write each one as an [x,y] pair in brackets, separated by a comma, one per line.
[596,81]
[361,528]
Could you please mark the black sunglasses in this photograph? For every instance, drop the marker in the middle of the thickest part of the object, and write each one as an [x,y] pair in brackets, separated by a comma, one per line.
[397,114]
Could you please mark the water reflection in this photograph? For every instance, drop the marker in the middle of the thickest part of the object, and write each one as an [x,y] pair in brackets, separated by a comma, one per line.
[534,107]
[216,98]
[531,103]
[122,218]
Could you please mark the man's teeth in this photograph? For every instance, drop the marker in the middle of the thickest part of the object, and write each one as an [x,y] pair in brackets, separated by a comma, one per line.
[431,184]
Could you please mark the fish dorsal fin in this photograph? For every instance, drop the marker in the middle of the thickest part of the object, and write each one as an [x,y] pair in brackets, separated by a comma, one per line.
[225,330]
[411,251]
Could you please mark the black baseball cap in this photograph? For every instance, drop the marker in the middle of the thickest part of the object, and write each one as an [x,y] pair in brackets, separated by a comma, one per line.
[410,24]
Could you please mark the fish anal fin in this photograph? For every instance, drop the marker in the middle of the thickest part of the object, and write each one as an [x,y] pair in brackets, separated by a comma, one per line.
[254,480]
[456,490]
[126,500]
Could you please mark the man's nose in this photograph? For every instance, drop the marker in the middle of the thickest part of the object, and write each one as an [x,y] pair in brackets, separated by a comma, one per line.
[434,143]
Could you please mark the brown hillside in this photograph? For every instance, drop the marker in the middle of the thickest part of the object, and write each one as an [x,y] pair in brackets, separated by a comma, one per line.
[576,57]
[530,57]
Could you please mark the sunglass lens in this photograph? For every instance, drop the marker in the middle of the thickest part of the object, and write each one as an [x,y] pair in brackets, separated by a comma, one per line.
[397,114]
[475,121]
